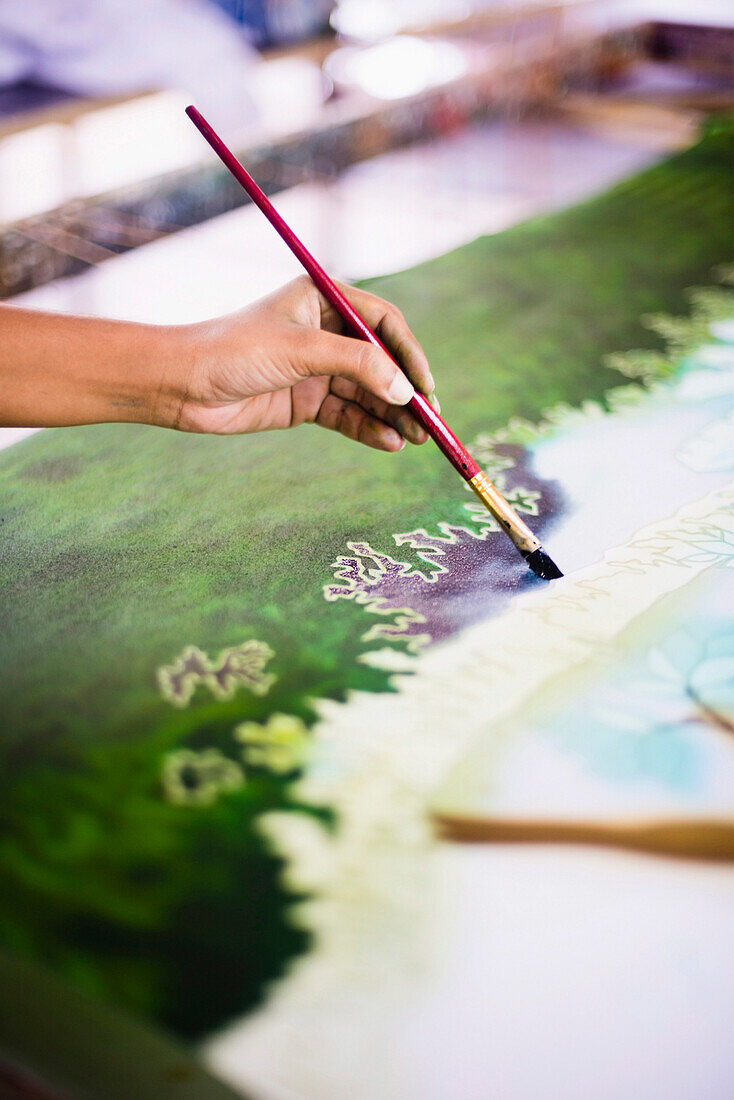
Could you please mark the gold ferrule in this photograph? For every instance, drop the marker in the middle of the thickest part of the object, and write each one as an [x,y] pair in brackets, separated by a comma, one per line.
[507,517]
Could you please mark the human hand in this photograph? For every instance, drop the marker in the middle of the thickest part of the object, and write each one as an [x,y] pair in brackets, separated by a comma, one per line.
[285,360]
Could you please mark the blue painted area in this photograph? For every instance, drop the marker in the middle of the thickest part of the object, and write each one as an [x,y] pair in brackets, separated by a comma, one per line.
[664,755]
[645,719]
[652,714]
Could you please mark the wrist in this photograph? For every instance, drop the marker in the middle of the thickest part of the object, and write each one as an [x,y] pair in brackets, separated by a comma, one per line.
[124,372]
[161,389]
[183,357]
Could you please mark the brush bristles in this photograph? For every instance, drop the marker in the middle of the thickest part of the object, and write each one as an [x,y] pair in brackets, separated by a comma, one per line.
[542,565]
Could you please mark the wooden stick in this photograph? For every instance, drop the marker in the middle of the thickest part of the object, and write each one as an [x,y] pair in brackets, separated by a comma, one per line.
[692,838]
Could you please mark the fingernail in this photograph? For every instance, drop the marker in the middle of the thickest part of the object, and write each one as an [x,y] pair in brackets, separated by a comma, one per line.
[433,400]
[431,383]
[400,391]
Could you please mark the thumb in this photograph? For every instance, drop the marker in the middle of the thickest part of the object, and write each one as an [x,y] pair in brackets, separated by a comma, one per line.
[326,353]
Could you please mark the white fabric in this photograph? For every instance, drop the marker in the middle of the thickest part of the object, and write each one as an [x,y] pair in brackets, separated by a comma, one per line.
[108,47]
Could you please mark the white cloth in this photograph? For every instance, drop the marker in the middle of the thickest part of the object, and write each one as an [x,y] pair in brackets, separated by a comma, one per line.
[109,47]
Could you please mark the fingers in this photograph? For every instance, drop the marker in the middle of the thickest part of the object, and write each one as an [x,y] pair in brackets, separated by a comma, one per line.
[356,423]
[323,353]
[398,417]
[388,323]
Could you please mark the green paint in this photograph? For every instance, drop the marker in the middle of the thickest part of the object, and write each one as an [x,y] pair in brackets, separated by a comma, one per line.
[121,546]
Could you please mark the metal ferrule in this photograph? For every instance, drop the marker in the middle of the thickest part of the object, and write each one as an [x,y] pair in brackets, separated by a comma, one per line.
[507,517]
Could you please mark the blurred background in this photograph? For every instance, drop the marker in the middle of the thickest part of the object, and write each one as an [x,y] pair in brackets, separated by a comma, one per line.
[398,127]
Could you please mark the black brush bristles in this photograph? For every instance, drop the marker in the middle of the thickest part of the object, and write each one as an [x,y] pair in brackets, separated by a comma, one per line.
[542,565]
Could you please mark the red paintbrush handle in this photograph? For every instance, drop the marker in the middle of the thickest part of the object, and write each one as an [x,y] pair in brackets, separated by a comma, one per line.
[424,412]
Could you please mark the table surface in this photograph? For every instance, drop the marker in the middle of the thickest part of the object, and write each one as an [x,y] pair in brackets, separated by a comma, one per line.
[604,975]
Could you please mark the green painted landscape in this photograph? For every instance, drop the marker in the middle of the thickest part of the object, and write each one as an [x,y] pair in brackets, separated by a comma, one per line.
[163,630]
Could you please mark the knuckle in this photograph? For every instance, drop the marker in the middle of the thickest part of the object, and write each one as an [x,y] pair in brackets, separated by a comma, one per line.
[405,353]
[341,415]
[310,358]
[366,432]
[367,362]
[403,348]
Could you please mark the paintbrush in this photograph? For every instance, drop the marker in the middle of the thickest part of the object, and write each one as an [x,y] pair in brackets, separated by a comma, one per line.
[523,538]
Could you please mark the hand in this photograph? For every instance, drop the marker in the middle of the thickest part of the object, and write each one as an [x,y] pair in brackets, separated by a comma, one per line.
[285,361]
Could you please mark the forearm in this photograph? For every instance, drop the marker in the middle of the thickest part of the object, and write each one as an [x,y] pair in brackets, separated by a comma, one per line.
[57,370]
[280,362]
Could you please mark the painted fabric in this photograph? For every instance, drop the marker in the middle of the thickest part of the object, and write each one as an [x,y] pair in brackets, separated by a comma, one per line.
[187,624]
